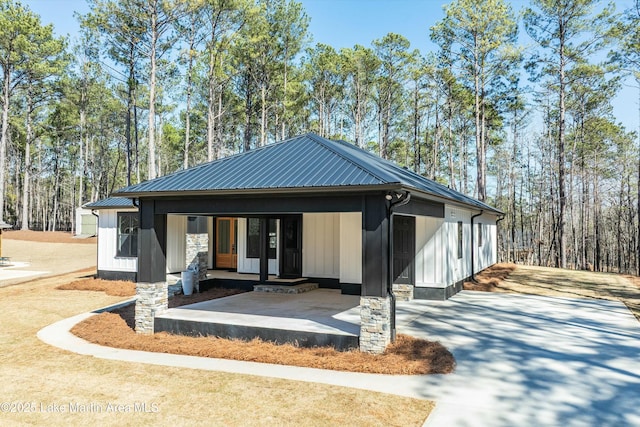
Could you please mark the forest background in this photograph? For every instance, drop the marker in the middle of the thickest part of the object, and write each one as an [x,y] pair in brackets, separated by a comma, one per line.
[511,106]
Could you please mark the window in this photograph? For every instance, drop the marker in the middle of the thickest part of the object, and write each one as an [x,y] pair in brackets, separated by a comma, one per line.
[197,225]
[459,239]
[127,234]
[253,238]
[479,235]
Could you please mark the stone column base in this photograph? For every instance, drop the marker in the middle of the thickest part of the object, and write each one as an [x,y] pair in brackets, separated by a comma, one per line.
[152,298]
[375,324]
[403,292]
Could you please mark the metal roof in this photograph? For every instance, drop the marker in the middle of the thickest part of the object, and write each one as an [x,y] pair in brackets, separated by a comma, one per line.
[110,203]
[304,162]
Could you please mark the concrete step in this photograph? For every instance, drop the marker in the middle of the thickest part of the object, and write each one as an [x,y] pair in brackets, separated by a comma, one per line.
[285,289]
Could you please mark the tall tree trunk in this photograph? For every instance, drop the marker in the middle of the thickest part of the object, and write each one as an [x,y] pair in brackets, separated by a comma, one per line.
[27,164]
[561,152]
[210,101]
[6,85]
[284,97]
[638,200]
[152,92]
[263,116]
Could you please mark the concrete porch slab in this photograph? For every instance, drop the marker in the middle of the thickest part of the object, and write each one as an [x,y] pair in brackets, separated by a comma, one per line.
[316,318]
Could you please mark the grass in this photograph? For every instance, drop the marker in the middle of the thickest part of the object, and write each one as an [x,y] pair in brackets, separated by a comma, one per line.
[555,282]
[35,372]
[407,356]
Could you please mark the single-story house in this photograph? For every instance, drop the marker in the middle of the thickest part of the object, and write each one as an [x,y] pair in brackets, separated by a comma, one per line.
[306,207]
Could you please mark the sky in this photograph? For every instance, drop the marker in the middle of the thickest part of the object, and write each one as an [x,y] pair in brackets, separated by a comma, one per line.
[344,23]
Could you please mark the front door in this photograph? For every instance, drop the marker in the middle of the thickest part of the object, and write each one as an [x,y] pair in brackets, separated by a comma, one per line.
[404,249]
[226,236]
[291,260]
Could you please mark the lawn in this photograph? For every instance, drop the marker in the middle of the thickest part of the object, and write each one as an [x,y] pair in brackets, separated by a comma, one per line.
[556,282]
[54,380]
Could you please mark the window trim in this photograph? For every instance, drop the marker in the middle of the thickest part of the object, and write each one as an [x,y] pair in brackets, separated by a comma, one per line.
[130,253]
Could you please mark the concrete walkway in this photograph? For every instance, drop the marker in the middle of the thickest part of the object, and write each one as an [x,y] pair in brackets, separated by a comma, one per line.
[522,361]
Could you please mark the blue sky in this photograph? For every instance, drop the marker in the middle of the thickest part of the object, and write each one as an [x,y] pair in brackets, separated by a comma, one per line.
[344,23]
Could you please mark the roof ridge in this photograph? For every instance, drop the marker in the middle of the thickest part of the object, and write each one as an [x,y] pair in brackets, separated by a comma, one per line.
[320,140]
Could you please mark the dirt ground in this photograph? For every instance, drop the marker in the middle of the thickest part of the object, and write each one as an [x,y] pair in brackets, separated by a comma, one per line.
[46,236]
[112,393]
[44,254]
[555,282]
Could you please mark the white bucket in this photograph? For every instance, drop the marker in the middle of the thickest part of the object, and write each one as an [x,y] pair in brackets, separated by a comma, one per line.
[187,282]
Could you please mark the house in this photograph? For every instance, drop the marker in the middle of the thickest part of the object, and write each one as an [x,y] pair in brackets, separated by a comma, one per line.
[86,222]
[306,207]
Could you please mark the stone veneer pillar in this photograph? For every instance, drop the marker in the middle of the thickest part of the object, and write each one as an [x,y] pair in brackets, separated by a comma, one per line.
[197,253]
[403,292]
[375,324]
[152,298]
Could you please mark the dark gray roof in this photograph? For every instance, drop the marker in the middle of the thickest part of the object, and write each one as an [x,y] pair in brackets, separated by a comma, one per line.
[304,162]
[110,203]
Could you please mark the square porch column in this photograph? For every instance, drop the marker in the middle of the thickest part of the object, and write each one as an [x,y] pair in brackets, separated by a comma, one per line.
[151,288]
[197,247]
[375,301]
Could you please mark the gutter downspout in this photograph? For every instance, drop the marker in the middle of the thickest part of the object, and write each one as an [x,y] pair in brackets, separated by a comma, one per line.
[497,248]
[473,275]
[93,212]
[403,199]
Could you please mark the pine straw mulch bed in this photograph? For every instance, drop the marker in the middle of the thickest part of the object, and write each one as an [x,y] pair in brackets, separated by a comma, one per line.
[116,288]
[489,279]
[407,356]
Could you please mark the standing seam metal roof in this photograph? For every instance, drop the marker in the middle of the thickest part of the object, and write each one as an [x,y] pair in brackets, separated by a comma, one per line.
[306,161]
[110,203]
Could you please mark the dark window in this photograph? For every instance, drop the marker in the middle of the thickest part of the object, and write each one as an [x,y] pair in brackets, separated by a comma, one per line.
[197,225]
[253,238]
[479,235]
[459,239]
[127,234]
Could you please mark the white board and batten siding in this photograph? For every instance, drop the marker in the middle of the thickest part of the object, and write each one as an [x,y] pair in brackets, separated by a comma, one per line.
[176,243]
[321,245]
[486,250]
[437,263]
[351,247]
[108,243]
[429,261]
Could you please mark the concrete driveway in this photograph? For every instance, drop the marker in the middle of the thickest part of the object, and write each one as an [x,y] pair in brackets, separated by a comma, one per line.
[531,361]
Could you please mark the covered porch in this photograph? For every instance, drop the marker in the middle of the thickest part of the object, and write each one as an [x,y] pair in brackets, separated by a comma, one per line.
[366,223]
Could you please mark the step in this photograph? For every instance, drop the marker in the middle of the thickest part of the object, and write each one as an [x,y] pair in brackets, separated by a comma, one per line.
[285,289]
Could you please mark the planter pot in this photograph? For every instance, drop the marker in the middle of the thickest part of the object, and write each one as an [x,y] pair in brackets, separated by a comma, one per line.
[187,282]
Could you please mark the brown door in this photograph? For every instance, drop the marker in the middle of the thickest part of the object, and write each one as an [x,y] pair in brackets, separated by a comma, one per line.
[226,236]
